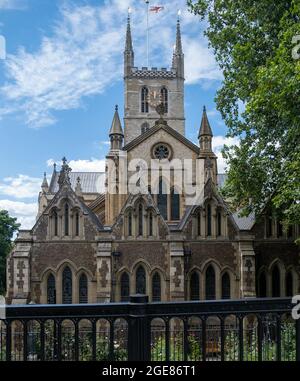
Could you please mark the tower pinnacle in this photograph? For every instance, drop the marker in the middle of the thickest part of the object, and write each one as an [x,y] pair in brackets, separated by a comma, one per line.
[116,132]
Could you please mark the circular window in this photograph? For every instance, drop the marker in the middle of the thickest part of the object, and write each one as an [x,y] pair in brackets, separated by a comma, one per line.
[161,151]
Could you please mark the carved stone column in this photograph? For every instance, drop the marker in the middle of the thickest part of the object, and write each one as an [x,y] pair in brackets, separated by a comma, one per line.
[103,258]
[248,279]
[176,271]
[21,270]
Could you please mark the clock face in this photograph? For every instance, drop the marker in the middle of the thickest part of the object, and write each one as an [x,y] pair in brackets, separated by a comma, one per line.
[154,98]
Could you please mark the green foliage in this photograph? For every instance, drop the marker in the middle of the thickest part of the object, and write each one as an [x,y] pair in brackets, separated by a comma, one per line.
[8,226]
[259,100]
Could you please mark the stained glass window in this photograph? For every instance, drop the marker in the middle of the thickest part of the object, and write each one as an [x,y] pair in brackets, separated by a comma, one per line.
[125,288]
[210,283]
[66,219]
[67,286]
[199,223]
[226,286]
[162,200]
[77,224]
[51,291]
[219,220]
[175,205]
[156,288]
[194,286]
[141,222]
[55,216]
[150,224]
[140,280]
[275,282]
[130,224]
[83,289]
[208,220]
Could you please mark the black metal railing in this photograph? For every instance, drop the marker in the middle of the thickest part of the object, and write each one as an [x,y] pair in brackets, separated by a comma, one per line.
[233,330]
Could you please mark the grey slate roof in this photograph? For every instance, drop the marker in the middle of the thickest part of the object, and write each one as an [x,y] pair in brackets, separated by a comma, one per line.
[94,182]
[91,182]
[244,223]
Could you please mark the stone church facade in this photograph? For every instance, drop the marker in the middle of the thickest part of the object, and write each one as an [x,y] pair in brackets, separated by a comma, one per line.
[94,243]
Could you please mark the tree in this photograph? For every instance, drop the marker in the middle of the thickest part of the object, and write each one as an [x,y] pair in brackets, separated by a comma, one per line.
[259,100]
[8,226]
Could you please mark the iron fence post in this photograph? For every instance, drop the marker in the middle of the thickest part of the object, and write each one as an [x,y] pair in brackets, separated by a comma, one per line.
[298,340]
[139,331]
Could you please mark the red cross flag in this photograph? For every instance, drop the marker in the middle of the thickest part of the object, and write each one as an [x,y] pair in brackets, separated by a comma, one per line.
[156,8]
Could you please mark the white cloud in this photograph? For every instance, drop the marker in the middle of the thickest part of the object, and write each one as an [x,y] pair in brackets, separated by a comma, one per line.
[217,145]
[12,4]
[81,165]
[83,56]
[22,186]
[24,212]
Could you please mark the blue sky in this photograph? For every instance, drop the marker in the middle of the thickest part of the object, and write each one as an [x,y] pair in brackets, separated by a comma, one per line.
[62,77]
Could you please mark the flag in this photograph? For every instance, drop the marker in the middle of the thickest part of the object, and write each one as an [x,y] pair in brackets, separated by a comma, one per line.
[156,8]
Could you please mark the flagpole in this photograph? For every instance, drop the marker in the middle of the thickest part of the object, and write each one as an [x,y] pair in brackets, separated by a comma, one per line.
[147,2]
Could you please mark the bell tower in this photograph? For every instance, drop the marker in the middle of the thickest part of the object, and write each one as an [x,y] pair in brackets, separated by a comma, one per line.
[147,86]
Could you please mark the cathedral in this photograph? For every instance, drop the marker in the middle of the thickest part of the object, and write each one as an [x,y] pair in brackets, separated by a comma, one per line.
[95,242]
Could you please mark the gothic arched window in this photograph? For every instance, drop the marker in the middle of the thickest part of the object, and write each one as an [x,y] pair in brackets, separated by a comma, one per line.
[144,100]
[226,286]
[130,224]
[262,285]
[140,280]
[66,219]
[67,286]
[269,226]
[194,286]
[156,288]
[275,282]
[208,222]
[150,224]
[125,289]
[162,200]
[77,224]
[141,222]
[55,217]
[210,283]
[83,289]
[289,284]
[175,205]
[219,224]
[51,290]
[199,223]
[164,99]
[279,229]
[145,127]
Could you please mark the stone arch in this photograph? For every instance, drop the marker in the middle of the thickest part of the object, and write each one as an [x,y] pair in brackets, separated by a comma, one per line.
[44,283]
[217,270]
[140,264]
[272,273]
[89,275]
[262,282]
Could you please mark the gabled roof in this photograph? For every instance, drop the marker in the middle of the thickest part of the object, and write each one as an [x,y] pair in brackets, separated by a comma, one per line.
[161,126]
[91,182]
[244,223]
[67,191]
